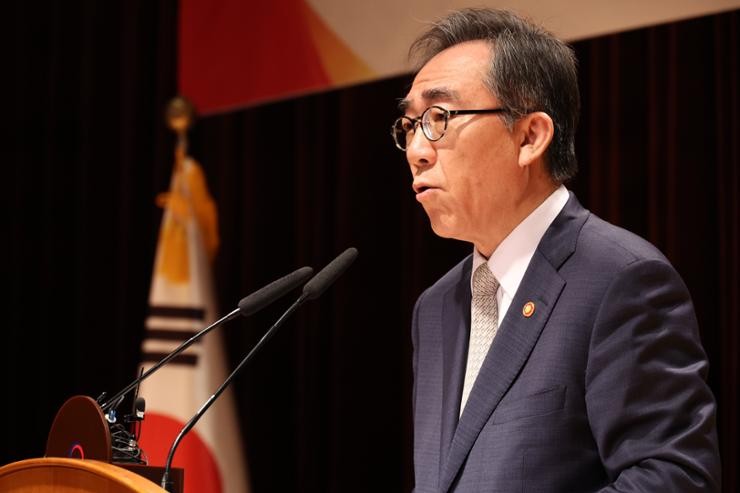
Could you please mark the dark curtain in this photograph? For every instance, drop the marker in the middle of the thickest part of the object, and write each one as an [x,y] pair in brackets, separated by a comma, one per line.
[86,151]
[326,405]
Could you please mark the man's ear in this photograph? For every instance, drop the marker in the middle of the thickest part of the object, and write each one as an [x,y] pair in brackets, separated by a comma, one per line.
[536,130]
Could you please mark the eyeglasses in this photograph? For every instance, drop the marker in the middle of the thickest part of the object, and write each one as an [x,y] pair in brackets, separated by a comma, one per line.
[433,122]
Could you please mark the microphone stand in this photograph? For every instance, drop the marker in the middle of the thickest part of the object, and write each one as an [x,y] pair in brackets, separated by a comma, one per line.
[166,483]
[311,290]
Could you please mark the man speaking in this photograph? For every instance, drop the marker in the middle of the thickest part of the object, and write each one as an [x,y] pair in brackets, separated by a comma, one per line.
[563,354]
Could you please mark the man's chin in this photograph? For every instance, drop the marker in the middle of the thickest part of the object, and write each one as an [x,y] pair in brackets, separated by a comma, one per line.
[443,229]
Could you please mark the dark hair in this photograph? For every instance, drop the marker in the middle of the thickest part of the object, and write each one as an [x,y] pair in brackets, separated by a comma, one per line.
[531,70]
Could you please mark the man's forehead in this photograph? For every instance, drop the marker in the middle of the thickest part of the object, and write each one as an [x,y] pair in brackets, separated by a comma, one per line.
[450,75]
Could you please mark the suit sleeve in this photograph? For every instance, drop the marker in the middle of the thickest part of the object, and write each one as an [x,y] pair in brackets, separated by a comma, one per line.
[650,409]
[415,358]
[415,348]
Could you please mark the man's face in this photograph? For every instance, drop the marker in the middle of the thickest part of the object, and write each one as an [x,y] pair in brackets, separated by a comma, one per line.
[469,181]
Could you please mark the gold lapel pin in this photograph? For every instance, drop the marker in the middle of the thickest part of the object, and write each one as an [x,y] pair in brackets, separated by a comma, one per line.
[528,309]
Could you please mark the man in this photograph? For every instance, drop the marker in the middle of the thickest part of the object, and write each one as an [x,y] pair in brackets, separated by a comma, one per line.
[563,355]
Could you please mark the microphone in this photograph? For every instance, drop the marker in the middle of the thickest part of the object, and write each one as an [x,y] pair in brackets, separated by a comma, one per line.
[276,289]
[311,290]
[247,306]
[326,277]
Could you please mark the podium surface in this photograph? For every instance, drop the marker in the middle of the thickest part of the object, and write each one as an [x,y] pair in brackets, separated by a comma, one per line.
[62,475]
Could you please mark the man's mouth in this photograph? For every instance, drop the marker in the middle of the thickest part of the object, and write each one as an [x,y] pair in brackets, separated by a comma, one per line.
[421,188]
[424,191]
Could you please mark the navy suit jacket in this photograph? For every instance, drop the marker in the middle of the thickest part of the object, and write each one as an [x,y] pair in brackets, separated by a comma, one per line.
[602,388]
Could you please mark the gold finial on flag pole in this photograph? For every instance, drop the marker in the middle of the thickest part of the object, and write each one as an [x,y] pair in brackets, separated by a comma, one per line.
[187,199]
[180,116]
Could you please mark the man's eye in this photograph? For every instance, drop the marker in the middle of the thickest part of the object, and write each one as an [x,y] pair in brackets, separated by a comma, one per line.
[436,116]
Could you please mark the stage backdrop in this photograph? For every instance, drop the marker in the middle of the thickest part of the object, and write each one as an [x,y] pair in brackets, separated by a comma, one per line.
[234,54]
[326,406]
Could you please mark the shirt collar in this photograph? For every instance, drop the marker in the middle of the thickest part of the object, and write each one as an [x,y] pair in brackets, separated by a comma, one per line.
[510,260]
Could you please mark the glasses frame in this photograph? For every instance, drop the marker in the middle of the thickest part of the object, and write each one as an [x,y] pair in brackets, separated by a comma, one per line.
[419,121]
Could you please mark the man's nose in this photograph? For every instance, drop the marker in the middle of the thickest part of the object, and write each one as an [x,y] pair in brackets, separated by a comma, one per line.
[420,152]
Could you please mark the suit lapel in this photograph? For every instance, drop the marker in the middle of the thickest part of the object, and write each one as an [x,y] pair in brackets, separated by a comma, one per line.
[455,334]
[514,341]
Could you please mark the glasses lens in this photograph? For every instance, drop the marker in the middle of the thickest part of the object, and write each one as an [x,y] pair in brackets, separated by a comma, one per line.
[402,131]
[434,122]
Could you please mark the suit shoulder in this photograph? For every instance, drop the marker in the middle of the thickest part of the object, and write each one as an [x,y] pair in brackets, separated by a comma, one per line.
[613,246]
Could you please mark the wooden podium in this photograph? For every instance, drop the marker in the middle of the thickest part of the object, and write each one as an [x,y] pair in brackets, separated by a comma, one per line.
[78,456]
[60,475]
